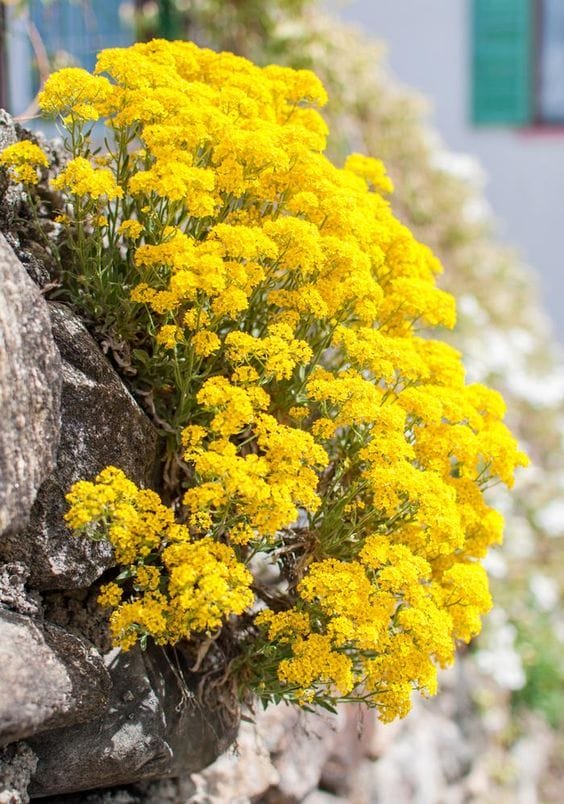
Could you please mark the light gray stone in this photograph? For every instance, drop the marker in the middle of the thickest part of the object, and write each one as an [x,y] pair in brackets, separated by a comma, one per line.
[8,134]
[12,200]
[101,425]
[17,763]
[303,750]
[245,772]
[30,385]
[13,594]
[47,677]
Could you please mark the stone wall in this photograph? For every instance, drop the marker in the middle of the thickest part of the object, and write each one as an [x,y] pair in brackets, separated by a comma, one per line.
[74,715]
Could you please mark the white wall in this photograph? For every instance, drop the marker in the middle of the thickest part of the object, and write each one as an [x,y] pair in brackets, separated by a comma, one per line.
[429,49]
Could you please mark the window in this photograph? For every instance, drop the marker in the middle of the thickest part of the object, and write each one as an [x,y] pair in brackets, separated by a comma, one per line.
[518,62]
[73,32]
[551,64]
[55,33]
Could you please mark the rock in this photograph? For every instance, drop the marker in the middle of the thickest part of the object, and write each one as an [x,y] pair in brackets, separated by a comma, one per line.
[279,757]
[302,749]
[351,745]
[106,797]
[154,727]
[419,760]
[243,773]
[320,797]
[17,763]
[30,383]
[8,134]
[25,220]
[78,611]
[13,594]
[101,425]
[163,791]
[47,677]
[11,196]
[531,756]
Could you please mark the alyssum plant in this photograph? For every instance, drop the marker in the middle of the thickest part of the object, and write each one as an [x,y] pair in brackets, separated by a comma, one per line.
[326,463]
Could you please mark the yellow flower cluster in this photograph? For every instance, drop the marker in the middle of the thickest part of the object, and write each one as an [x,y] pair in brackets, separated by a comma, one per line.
[74,94]
[276,306]
[80,178]
[379,625]
[179,587]
[22,160]
[261,491]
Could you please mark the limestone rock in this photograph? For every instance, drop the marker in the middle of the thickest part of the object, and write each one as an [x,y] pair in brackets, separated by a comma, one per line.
[243,773]
[13,594]
[10,198]
[8,134]
[153,728]
[30,385]
[101,425]
[47,677]
[279,757]
[17,763]
[302,747]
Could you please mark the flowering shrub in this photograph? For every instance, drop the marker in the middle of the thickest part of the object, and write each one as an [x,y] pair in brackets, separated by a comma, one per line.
[327,462]
[22,159]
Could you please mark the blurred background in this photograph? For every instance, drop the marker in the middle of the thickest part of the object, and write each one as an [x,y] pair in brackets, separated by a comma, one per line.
[494,73]
[464,102]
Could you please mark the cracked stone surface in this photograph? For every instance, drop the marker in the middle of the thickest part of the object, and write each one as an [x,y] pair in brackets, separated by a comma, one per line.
[30,389]
[101,425]
[153,728]
[47,677]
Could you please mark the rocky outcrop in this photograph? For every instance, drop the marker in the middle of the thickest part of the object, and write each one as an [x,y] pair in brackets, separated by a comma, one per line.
[74,715]
[17,764]
[101,425]
[30,388]
[154,727]
[48,677]
[67,416]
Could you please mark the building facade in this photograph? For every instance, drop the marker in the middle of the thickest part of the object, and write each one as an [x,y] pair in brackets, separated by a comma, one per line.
[494,71]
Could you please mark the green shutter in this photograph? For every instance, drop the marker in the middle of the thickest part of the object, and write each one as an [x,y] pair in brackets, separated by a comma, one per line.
[502,64]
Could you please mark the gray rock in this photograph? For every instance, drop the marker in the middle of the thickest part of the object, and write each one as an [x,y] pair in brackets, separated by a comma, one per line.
[48,677]
[13,594]
[154,727]
[101,425]
[302,751]
[8,133]
[162,791]
[17,763]
[78,611]
[25,219]
[11,196]
[30,385]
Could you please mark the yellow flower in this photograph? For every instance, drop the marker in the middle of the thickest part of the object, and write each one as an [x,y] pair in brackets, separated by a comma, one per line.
[75,93]
[205,343]
[273,303]
[110,595]
[80,178]
[131,229]
[22,160]
[169,335]
[372,170]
